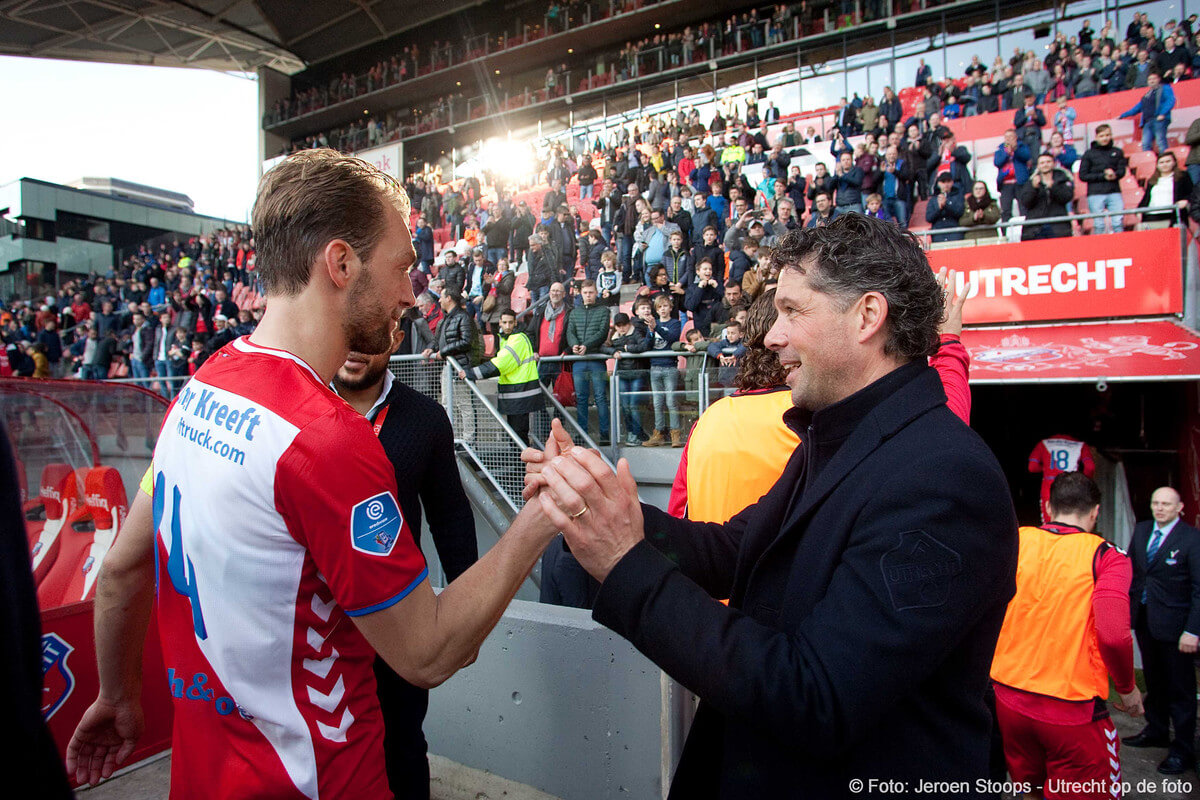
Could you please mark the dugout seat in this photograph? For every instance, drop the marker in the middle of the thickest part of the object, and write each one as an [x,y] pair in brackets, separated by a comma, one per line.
[85,540]
[59,495]
[105,499]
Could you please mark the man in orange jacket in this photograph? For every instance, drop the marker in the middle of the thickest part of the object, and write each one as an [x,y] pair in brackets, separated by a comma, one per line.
[1065,632]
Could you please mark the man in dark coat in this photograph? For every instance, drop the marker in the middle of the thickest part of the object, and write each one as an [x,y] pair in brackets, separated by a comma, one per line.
[30,759]
[410,422]
[866,588]
[1045,196]
[1165,605]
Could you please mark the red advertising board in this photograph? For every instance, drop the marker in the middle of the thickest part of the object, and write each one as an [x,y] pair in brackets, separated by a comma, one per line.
[1135,274]
[1122,350]
[70,681]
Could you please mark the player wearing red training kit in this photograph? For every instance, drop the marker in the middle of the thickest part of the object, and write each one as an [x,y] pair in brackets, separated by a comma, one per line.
[1054,456]
[277,552]
[1065,632]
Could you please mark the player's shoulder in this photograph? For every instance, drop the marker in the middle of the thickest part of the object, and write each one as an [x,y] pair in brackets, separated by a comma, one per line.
[283,385]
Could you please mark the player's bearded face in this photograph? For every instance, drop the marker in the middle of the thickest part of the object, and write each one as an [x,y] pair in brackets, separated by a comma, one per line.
[368,323]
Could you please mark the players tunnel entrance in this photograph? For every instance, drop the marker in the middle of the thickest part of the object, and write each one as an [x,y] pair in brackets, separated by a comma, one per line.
[1141,435]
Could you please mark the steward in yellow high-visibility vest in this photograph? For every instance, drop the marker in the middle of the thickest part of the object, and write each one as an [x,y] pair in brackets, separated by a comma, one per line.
[516,366]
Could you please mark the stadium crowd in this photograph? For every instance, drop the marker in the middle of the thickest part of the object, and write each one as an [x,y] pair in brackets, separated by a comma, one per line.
[160,314]
[1086,64]
[424,54]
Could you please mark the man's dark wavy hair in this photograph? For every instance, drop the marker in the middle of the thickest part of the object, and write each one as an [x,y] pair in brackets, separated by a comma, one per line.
[1074,493]
[856,254]
[760,367]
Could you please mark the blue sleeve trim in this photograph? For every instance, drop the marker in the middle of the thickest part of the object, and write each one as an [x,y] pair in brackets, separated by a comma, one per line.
[391,601]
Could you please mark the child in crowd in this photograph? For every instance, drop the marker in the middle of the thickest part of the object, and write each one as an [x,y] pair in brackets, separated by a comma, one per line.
[875,208]
[608,280]
[693,342]
[678,262]
[664,375]
[470,230]
[728,353]
[703,295]
[711,249]
[759,279]
[743,260]
[631,336]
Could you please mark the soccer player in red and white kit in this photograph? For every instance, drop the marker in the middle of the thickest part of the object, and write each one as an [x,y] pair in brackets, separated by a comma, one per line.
[278,556]
[1054,456]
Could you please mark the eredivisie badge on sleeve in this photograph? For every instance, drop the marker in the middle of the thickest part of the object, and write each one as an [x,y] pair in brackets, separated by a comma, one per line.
[375,524]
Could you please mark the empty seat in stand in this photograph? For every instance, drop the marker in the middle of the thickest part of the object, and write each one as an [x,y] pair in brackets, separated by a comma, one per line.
[105,499]
[64,583]
[60,498]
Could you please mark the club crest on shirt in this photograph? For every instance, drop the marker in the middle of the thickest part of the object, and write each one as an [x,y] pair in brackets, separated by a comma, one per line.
[918,570]
[375,525]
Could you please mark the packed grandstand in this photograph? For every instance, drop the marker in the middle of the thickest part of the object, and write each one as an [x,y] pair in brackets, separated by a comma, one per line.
[1058,178]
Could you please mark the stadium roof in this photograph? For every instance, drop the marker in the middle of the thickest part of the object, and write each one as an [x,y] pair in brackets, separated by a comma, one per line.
[226,35]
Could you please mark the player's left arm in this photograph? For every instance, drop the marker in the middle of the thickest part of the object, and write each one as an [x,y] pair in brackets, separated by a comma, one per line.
[110,728]
[1086,462]
[952,361]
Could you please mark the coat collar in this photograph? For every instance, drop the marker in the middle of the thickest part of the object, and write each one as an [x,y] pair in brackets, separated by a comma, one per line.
[864,421]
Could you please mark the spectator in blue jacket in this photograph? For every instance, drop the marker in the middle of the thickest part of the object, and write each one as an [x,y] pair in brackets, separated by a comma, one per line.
[157,295]
[727,352]
[704,216]
[1012,160]
[423,239]
[664,376]
[945,207]
[823,212]
[1154,111]
[1064,154]
[849,185]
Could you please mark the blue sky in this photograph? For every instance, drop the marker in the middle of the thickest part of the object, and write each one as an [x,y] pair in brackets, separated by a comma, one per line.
[191,131]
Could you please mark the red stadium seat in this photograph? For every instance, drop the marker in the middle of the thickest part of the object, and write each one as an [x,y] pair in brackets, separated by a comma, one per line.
[104,496]
[60,498]
[83,548]
[75,539]
[1143,163]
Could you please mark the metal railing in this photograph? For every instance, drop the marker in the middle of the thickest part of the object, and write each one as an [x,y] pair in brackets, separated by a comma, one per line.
[926,234]
[480,430]
[631,395]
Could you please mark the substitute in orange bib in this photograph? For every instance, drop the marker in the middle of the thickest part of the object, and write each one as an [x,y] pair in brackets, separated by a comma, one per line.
[1066,631]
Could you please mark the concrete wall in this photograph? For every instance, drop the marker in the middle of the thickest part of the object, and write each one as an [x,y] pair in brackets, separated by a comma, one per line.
[556,702]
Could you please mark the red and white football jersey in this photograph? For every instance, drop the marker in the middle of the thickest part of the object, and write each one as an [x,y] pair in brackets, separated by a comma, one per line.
[276,519]
[1060,454]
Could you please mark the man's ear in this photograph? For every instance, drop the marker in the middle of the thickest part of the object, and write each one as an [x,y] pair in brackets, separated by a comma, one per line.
[872,315]
[338,261]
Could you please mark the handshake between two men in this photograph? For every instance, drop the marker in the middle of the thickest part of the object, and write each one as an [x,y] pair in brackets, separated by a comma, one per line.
[597,511]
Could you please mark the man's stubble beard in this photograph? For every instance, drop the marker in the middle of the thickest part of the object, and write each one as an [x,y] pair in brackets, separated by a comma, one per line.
[367,379]
[364,332]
